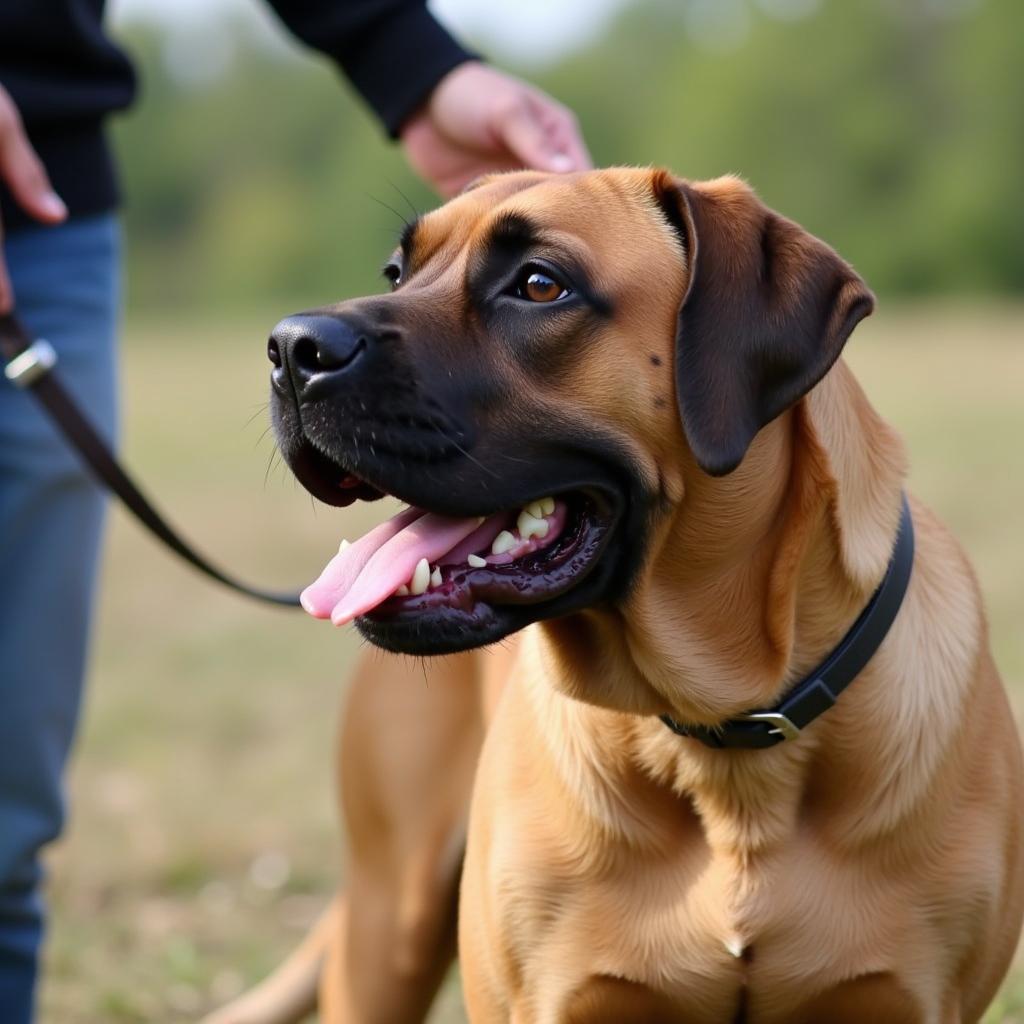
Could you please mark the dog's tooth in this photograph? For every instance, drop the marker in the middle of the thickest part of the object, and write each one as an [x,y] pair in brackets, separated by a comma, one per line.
[402,591]
[734,945]
[535,509]
[547,505]
[420,578]
[502,543]
[435,577]
[341,547]
[476,561]
[531,526]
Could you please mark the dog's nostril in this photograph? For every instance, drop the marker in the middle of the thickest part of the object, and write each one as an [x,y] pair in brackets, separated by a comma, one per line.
[306,355]
[274,351]
[311,355]
[312,346]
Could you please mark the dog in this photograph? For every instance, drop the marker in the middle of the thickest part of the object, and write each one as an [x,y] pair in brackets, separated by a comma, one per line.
[619,398]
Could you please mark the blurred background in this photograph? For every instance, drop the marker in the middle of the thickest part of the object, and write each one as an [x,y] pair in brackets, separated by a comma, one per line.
[203,837]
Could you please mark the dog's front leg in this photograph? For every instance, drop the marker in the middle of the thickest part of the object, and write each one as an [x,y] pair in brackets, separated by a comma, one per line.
[409,744]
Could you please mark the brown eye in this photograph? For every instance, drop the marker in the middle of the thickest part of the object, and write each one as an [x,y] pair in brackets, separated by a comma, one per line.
[538,286]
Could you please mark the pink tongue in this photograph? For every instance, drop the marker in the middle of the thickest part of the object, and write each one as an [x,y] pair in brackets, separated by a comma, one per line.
[372,568]
[320,597]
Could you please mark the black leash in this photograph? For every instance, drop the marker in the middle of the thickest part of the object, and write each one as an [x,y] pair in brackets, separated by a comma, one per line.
[820,689]
[29,365]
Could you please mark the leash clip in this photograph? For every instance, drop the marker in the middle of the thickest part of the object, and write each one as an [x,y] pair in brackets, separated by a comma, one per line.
[27,367]
[781,725]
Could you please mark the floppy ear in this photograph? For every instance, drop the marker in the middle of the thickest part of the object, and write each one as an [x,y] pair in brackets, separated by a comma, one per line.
[767,310]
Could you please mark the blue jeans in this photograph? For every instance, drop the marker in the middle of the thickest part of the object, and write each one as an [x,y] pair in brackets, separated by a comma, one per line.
[51,519]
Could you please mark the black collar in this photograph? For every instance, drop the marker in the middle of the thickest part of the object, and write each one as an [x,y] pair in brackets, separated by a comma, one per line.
[819,690]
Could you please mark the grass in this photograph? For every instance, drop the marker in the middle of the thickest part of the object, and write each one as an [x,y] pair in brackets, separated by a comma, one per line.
[202,840]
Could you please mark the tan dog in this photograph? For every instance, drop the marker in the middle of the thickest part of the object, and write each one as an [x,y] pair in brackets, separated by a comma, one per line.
[659,356]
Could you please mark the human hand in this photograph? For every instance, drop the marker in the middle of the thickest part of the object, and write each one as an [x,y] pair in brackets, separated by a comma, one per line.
[478,120]
[23,173]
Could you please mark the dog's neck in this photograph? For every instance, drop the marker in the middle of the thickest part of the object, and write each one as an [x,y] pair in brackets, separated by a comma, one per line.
[749,585]
[755,577]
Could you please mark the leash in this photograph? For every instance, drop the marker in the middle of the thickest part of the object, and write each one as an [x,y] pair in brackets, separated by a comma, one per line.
[820,689]
[29,366]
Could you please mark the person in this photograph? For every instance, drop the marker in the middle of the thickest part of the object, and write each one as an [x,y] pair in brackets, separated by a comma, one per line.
[60,77]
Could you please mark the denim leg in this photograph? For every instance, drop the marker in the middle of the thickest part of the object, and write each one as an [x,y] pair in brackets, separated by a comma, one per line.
[51,518]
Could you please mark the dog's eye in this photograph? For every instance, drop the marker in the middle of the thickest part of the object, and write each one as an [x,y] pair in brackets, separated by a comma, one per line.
[393,272]
[537,285]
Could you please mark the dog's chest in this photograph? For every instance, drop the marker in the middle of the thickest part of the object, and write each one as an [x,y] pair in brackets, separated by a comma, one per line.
[701,938]
[623,903]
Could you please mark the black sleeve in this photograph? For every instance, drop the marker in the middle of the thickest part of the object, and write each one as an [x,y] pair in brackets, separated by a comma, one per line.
[393,51]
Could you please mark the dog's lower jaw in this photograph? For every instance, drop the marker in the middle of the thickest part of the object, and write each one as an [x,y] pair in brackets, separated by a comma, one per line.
[502,602]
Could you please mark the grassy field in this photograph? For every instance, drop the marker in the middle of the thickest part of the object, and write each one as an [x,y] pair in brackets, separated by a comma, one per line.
[203,839]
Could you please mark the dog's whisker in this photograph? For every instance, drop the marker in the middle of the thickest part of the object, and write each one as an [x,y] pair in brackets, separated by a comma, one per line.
[472,458]
[275,460]
[388,206]
[408,201]
[262,409]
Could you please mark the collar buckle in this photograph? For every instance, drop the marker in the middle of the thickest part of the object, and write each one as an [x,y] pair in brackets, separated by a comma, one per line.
[779,724]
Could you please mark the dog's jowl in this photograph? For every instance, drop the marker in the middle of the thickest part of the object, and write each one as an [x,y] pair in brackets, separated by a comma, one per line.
[615,406]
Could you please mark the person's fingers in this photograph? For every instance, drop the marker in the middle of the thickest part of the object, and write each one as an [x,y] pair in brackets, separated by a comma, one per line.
[524,131]
[6,291]
[566,138]
[23,171]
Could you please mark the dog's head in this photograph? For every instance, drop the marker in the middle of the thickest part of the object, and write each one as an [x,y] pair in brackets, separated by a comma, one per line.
[556,356]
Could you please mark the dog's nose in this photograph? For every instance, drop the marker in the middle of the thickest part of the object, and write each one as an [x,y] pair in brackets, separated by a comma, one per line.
[312,347]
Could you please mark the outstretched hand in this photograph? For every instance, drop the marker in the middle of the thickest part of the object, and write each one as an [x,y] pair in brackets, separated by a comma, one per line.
[478,120]
[23,173]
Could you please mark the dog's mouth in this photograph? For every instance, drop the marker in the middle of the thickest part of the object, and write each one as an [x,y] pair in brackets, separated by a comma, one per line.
[423,582]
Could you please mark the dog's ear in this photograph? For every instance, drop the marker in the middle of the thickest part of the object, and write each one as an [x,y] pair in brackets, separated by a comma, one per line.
[767,310]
